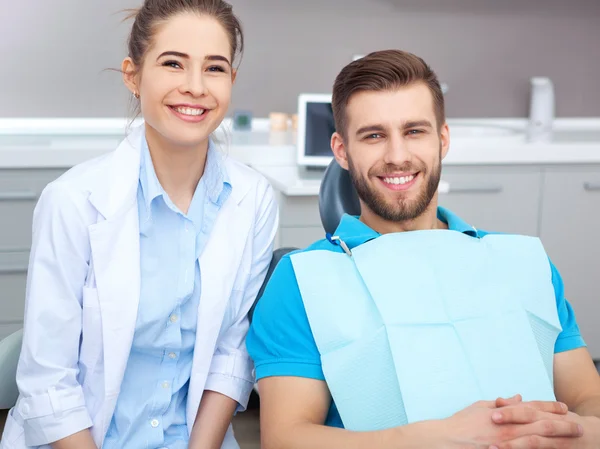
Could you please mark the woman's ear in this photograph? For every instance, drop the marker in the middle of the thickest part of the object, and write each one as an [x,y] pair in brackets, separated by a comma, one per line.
[129,76]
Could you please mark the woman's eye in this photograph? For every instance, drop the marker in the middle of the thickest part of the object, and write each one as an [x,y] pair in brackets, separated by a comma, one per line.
[173,64]
[216,68]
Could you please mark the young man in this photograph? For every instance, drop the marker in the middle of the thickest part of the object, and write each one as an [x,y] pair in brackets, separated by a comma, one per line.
[402,329]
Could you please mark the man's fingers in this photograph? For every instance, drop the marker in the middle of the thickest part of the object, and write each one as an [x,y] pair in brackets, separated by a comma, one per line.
[554,428]
[528,412]
[558,408]
[535,442]
[517,415]
[503,402]
[531,433]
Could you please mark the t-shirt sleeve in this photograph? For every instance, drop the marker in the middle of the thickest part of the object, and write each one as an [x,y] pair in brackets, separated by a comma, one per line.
[280,340]
[570,337]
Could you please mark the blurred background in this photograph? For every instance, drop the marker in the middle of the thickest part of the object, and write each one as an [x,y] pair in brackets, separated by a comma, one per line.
[522,98]
[55,52]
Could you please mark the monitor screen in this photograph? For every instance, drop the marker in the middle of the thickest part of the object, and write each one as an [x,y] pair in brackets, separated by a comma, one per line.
[319,129]
[315,128]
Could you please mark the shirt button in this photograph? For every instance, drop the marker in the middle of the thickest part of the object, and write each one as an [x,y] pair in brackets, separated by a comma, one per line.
[173,318]
[172,355]
[154,423]
[166,385]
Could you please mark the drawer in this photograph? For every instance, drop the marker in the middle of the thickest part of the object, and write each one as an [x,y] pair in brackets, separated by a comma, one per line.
[19,192]
[570,212]
[502,199]
[300,237]
[13,279]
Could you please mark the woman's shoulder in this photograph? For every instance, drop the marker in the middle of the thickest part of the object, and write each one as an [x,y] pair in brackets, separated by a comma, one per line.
[72,188]
[244,177]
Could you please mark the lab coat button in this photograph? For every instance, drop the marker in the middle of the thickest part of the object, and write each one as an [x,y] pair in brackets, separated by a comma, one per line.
[173,318]
[154,423]
[166,385]
[172,355]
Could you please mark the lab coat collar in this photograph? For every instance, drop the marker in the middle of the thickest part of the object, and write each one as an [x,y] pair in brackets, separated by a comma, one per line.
[124,173]
[122,179]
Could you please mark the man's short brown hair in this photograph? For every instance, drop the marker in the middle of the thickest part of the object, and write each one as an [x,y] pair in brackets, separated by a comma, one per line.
[383,71]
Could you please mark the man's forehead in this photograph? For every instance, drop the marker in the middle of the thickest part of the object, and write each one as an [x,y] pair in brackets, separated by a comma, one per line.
[406,103]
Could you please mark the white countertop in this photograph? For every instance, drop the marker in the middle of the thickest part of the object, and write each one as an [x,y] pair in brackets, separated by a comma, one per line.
[62,143]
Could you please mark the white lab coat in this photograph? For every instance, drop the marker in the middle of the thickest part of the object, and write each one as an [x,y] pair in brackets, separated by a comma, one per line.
[83,291]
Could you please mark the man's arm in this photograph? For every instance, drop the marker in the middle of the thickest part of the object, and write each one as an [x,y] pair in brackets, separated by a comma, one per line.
[577,383]
[293,411]
[576,380]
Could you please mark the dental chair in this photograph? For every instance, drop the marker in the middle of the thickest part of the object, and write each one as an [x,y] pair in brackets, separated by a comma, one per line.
[10,347]
[337,197]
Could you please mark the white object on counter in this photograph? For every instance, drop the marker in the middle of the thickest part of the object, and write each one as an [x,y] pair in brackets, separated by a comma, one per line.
[541,110]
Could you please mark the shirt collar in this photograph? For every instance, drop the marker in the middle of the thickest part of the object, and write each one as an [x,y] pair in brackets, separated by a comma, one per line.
[215,177]
[354,232]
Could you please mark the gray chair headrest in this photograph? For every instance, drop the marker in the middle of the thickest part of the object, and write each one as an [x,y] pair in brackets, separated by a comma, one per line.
[337,197]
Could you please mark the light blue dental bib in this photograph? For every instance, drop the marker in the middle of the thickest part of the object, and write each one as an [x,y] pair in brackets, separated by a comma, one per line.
[419,325]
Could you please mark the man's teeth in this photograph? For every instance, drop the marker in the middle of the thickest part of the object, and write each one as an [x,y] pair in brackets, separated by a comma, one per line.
[189,111]
[400,180]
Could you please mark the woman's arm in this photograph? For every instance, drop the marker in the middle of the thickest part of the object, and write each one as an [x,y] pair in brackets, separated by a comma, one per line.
[231,372]
[231,376]
[212,421]
[80,440]
[52,404]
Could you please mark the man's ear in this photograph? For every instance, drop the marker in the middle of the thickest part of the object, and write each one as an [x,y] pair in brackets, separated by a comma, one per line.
[339,150]
[445,139]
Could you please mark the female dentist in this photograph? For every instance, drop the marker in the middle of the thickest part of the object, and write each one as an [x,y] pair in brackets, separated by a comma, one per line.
[146,261]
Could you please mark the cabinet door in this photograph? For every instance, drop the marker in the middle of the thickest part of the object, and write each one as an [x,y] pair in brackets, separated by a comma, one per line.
[19,192]
[570,232]
[13,277]
[499,199]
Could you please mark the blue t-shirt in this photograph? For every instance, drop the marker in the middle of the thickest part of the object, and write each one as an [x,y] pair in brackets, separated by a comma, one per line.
[280,339]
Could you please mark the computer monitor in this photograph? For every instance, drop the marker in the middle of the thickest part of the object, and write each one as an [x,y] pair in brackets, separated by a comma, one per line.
[315,128]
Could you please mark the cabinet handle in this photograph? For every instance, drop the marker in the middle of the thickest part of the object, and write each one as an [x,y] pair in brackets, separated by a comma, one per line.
[14,250]
[591,186]
[11,322]
[471,189]
[13,270]
[23,195]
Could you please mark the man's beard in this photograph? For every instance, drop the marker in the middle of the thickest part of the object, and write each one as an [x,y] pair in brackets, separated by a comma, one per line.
[402,209]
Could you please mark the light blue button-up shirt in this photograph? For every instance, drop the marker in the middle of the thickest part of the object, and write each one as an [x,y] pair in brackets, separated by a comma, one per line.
[150,411]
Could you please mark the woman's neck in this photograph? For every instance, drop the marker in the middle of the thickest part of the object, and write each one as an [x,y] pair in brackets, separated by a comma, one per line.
[178,168]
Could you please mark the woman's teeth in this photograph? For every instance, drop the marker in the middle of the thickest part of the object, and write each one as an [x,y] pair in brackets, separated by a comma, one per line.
[189,111]
[400,180]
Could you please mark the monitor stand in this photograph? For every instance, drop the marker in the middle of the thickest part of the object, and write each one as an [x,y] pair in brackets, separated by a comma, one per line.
[311,172]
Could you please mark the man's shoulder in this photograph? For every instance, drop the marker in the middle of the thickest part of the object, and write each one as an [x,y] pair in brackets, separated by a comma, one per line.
[319,245]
